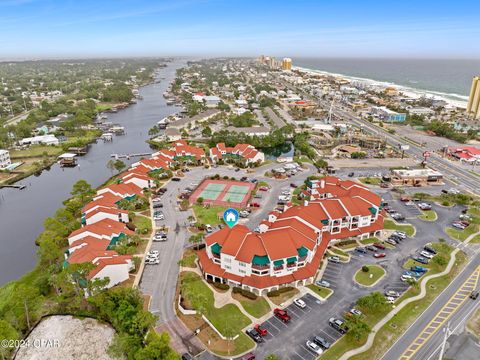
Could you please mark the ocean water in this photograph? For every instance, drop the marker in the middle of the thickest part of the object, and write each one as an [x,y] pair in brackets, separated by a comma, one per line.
[446,78]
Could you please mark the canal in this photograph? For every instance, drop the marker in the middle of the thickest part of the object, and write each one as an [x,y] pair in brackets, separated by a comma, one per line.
[22,212]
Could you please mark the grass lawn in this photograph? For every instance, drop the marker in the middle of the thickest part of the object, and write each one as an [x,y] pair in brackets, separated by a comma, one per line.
[369,241]
[228,319]
[37,151]
[339,252]
[278,300]
[388,334]
[428,215]
[346,245]
[143,224]
[321,291]
[462,235]
[103,106]
[363,278]
[370,180]
[188,259]
[407,228]
[208,215]
[257,308]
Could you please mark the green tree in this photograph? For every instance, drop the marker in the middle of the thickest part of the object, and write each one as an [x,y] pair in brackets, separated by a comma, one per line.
[83,190]
[196,239]
[357,328]
[157,347]
[119,165]
[372,302]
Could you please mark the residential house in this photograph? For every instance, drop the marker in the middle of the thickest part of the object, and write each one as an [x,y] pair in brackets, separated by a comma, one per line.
[4,159]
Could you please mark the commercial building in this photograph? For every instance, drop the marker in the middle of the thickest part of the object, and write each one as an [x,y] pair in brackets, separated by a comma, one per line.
[4,158]
[468,154]
[416,177]
[289,246]
[287,64]
[473,106]
[388,115]
[41,139]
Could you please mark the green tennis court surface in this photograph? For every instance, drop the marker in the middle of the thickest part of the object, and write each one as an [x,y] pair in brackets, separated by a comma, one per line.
[212,191]
[236,193]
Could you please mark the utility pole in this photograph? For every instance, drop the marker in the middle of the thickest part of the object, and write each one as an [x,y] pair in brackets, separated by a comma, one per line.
[447,332]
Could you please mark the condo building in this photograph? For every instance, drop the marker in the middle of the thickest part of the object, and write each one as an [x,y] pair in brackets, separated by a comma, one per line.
[473,106]
[289,245]
[287,64]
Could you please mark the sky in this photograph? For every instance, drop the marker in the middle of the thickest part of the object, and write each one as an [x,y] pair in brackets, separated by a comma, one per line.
[295,28]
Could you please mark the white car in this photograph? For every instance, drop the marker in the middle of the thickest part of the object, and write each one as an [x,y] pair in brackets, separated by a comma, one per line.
[406,278]
[150,261]
[160,237]
[208,228]
[426,254]
[300,303]
[153,253]
[314,347]
[390,299]
[356,312]
[159,217]
[400,234]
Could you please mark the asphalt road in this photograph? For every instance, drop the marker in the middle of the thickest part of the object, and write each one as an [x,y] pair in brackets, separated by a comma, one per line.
[159,281]
[454,171]
[430,349]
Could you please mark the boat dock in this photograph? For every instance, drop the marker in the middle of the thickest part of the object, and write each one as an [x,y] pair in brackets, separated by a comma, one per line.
[20,187]
[128,156]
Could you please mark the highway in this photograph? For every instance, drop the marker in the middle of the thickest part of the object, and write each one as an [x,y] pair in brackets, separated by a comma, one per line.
[423,339]
[458,175]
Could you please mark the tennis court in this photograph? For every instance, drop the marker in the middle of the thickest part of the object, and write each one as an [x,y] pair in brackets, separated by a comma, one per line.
[223,192]
[212,191]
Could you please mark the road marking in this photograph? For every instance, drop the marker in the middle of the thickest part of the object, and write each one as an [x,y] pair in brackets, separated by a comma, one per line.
[455,301]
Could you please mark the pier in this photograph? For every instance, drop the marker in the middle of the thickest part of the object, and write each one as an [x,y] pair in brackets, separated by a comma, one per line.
[128,156]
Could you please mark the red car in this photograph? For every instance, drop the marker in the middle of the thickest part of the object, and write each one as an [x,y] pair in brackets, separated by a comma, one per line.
[254,204]
[282,315]
[263,188]
[249,356]
[379,255]
[404,199]
[260,330]
[379,246]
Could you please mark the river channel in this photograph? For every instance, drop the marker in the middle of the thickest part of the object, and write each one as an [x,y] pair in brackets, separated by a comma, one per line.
[22,212]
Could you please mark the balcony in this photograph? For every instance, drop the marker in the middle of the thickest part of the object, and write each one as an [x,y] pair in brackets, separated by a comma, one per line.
[261,267]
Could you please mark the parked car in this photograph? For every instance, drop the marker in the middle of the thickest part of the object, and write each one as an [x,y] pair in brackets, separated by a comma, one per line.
[282,315]
[406,278]
[419,269]
[262,331]
[187,356]
[400,234]
[311,345]
[254,335]
[249,356]
[151,261]
[322,342]
[208,228]
[176,179]
[160,237]
[293,185]
[254,204]
[459,225]
[391,242]
[351,174]
[404,199]
[355,312]
[158,216]
[334,259]
[300,303]
[153,253]
[420,259]
[379,246]
[361,249]
[425,206]
[263,188]
[323,283]
[338,325]
[390,300]
[392,293]
[379,255]
[371,248]
[426,254]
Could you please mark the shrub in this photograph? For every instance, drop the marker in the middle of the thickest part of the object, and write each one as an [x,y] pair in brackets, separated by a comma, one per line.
[365,268]
[445,203]
[219,285]
[243,292]
[279,291]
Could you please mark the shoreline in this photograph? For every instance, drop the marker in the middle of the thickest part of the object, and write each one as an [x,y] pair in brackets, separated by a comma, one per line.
[452,99]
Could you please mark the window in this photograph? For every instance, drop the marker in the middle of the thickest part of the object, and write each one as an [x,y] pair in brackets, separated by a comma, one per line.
[241,271]
[227,260]
[228,267]
[242,264]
